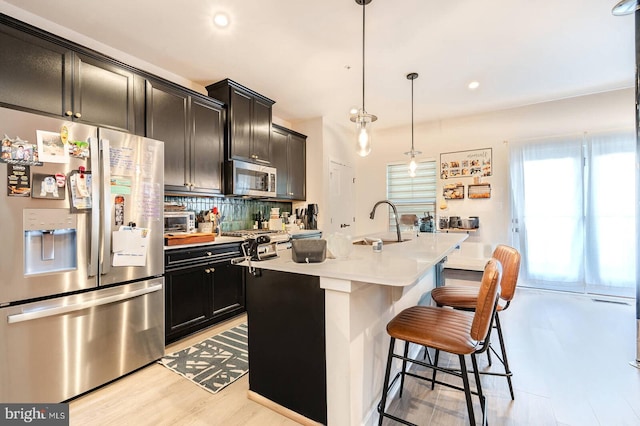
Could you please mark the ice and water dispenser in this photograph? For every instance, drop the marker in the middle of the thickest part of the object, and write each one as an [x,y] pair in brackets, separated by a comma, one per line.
[49,241]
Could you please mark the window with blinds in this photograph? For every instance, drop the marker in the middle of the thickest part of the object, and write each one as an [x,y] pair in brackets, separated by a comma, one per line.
[415,195]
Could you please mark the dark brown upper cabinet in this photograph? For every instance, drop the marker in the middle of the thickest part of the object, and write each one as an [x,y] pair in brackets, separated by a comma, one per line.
[248,123]
[44,74]
[192,129]
[288,155]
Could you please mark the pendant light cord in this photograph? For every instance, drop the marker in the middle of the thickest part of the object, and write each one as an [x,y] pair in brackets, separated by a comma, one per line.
[412,116]
[363,24]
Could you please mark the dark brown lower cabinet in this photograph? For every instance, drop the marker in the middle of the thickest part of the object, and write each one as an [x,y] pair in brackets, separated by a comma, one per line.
[201,289]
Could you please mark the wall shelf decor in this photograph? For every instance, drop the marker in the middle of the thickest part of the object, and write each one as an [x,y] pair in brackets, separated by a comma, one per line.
[472,163]
[453,191]
[479,190]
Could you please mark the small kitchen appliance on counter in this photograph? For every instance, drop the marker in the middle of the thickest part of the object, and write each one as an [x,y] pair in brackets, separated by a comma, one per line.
[179,222]
[427,224]
[312,216]
[454,222]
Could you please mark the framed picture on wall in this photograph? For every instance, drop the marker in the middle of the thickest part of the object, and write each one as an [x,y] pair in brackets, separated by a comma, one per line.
[471,163]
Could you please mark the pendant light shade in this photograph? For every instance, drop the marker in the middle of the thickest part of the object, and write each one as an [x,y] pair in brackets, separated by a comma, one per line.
[412,163]
[362,119]
[625,7]
[363,131]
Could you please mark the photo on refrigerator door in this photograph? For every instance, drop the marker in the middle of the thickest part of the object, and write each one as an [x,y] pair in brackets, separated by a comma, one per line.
[51,147]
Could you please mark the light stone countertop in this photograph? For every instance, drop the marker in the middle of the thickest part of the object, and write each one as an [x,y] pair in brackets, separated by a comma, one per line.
[400,264]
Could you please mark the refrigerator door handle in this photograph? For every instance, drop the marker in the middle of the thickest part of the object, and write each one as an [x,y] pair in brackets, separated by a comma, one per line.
[106,208]
[59,310]
[95,208]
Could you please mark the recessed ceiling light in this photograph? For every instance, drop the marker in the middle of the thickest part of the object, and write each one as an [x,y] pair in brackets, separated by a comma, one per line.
[221,20]
[474,85]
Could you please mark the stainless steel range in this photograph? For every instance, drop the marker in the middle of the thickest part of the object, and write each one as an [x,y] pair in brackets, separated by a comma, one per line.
[261,244]
[275,235]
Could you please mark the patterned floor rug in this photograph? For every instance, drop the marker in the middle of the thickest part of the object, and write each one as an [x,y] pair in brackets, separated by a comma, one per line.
[213,363]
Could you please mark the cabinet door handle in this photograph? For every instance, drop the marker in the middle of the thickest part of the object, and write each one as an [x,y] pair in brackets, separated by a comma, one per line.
[208,271]
[291,193]
[68,113]
[209,253]
[187,184]
[77,115]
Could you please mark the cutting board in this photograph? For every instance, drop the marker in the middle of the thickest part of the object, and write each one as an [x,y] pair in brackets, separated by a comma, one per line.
[179,239]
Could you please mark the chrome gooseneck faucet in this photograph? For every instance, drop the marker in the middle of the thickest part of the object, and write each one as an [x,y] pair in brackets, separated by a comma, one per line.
[395,213]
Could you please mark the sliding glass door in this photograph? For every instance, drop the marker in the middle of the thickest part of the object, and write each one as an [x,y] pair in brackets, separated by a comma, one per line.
[573,213]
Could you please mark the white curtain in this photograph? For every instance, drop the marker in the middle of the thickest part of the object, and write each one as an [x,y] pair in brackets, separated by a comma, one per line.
[610,231]
[574,212]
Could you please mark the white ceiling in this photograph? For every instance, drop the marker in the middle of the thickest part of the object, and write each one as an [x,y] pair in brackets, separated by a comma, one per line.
[298,52]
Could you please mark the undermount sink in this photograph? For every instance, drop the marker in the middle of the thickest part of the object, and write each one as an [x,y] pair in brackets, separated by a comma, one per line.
[370,241]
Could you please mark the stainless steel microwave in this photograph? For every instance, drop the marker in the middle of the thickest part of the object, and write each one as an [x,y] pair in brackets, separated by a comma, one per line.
[249,179]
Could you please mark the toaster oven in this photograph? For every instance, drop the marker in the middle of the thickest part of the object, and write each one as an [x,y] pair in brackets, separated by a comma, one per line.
[179,222]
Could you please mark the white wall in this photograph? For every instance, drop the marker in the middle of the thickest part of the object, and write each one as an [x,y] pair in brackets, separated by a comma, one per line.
[326,141]
[602,111]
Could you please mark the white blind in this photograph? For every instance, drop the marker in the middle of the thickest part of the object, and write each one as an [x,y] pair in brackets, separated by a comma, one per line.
[415,195]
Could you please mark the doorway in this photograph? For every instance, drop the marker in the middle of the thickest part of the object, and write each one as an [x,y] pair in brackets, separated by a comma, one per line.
[341,202]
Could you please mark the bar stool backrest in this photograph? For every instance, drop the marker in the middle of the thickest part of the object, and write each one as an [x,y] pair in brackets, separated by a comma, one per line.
[487,300]
[510,260]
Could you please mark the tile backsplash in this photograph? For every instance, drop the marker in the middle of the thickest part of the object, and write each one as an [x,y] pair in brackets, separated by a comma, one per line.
[235,213]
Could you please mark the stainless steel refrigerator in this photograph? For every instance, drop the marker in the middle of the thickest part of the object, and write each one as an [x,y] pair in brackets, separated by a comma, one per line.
[81,256]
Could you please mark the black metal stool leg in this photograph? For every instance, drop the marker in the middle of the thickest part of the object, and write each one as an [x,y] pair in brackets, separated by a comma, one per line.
[433,375]
[385,386]
[426,355]
[467,390]
[505,361]
[404,367]
[476,375]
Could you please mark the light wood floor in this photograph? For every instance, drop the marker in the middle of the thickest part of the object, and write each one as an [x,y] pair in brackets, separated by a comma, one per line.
[570,357]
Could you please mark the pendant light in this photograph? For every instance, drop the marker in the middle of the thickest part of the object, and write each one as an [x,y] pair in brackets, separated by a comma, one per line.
[362,119]
[412,163]
[625,7]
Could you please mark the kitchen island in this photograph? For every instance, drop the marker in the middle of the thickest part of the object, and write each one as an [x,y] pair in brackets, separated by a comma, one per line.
[317,332]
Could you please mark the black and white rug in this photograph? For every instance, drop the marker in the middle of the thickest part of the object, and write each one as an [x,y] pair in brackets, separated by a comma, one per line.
[213,363]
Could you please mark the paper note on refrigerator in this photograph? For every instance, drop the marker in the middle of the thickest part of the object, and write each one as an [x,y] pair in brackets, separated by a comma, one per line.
[129,246]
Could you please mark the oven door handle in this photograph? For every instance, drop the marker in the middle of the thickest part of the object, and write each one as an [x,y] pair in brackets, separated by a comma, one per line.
[59,310]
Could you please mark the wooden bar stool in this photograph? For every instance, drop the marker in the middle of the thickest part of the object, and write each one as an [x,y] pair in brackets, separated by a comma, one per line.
[465,298]
[457,332]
